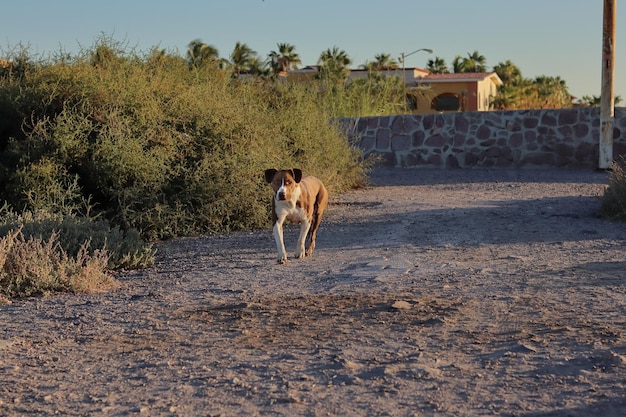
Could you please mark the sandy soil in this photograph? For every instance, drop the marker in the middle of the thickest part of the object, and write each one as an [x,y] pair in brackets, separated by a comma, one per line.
[433,293]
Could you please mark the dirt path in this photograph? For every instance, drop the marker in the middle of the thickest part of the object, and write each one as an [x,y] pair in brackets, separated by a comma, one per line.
[434,293]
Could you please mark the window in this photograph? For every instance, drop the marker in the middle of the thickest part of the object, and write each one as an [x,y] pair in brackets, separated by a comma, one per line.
[446,102]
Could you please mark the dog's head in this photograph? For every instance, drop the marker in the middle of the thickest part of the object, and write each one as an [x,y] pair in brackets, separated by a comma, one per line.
[284,182]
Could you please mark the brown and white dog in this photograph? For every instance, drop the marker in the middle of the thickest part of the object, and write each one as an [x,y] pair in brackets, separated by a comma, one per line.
[297,199]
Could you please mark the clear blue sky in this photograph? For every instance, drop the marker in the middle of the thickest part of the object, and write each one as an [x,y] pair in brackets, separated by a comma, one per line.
[542,37]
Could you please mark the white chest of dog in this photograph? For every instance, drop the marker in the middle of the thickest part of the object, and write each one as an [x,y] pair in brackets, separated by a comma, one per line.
[300,200]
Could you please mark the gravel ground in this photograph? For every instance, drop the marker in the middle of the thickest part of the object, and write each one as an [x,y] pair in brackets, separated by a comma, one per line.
[431,293]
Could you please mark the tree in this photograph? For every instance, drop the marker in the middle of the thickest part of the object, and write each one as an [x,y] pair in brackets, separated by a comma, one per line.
[334,65]
[200,53]
[242,58]
[258,67]
[541,93]
[508,72]
[594,101]
[458,64]
[552,92]
[475,62]
[507,97]
[285,58]
[437,66]
[383,62]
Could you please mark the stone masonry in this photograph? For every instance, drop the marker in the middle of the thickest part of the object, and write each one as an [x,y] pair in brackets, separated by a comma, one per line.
[526,138]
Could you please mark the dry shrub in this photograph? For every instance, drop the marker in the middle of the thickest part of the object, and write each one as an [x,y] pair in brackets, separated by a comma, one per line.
[613,204]
[156,146]
[35,266]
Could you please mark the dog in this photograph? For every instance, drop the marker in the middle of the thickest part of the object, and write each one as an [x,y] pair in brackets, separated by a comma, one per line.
[297,199]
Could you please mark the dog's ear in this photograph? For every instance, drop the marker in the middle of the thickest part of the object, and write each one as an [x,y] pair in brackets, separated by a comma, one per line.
[297,174]
[269,174]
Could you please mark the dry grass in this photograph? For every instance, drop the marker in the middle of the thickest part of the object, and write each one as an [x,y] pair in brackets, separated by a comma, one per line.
[614,200]
[33,266]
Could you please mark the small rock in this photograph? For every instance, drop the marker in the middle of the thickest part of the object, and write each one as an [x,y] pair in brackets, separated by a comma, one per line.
[401,305]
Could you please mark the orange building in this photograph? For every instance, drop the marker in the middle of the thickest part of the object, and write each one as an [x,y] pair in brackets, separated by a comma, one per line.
[435,93]
[466,91]
[426,92]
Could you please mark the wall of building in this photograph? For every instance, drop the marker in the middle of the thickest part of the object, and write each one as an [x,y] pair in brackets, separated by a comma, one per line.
[427,95]
[528,138]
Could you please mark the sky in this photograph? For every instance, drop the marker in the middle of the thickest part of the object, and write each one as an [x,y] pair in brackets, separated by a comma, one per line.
[542,37]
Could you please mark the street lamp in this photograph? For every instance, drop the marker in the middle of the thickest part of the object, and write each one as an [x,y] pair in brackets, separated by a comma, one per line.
[402,58]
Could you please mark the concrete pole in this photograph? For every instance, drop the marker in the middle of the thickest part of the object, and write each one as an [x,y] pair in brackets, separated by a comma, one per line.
[607,98]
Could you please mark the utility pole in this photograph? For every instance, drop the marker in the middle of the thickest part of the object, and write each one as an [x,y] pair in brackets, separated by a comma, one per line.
[403,55]
[607,97]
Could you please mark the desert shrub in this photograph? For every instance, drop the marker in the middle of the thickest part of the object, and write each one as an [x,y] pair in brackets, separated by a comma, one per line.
[613,204]
[374,96]
[125,249]
[46,186]
[33,266]
[151,144]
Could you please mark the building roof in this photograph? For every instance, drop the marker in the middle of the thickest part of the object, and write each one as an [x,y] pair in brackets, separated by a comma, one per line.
[462,76]
[428,77]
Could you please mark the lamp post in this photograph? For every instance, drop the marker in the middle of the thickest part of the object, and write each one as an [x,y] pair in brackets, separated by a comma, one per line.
[402,58]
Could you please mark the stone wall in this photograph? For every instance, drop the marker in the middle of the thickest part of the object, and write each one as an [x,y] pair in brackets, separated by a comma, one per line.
[528,138]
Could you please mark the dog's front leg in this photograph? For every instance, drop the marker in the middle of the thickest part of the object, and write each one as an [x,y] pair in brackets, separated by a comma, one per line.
[304,230]
[280,243]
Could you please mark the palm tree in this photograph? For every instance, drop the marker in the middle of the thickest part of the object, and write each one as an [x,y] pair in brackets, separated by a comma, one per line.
[241,58]
[334,64]
[552,92]
[437,66]
[507,97]
[475,62]
[285,58]
[458,64]
[258,67]
[199,53]
[384,62]
[508,72]
[594,101]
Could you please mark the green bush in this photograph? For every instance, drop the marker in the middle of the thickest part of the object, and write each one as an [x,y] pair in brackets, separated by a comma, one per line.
[154,145]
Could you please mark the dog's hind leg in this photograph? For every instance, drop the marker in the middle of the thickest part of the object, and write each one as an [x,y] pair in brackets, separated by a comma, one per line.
[315,224]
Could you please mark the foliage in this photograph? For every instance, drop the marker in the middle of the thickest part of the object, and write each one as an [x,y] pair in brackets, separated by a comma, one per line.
[374,96]
[334,66]
[437,66]
[154,144]
[125,249]
[595,101]
[242,59]
[474,62]
[285,58]
[517,92]
[382,62]
[34,266]
[613,203]
[199,53]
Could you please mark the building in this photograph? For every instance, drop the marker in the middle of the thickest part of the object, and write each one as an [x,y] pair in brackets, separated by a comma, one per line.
[430,93]
[466,91]
[435,93]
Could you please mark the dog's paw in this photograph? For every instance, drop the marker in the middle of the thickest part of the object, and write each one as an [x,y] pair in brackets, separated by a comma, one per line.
[300,255]
[282,261]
